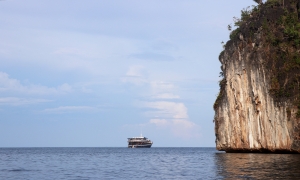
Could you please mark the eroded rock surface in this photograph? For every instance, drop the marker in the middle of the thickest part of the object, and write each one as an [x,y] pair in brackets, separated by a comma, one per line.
[248,118]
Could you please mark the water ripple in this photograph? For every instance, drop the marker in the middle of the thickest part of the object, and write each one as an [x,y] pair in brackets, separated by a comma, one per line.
[153,163]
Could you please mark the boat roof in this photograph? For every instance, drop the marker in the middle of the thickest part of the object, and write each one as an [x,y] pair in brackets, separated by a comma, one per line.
[141,137]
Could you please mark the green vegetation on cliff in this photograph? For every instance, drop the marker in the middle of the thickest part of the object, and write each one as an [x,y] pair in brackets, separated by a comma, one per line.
[277,23]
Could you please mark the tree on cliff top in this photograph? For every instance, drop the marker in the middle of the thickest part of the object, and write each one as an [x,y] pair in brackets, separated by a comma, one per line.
[274,29]
[258,1]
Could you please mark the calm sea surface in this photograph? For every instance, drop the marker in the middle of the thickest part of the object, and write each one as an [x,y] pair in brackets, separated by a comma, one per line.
[153,163]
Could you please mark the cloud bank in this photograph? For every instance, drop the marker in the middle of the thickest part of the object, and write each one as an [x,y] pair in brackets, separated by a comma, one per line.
[162,105]
[8,84]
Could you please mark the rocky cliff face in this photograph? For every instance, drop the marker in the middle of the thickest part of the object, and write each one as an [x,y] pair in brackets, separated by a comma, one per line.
[256,110]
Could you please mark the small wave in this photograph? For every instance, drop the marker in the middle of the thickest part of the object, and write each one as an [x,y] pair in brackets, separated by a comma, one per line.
[17,170]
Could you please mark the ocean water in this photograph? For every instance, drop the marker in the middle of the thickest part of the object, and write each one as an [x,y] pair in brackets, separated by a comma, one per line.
[152,163]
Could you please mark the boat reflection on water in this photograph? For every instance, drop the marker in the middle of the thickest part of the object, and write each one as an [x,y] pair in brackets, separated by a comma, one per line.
[257,166]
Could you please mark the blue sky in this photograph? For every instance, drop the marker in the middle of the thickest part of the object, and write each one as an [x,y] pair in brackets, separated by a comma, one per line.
[93,73]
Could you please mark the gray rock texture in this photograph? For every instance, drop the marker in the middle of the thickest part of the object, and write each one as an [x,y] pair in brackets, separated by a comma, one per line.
[258,107]
[247,117]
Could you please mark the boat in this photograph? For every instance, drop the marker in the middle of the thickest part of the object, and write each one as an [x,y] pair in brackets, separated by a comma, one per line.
[139,142]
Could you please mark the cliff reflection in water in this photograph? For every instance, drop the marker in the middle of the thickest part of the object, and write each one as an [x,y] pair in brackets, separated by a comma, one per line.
[257,166]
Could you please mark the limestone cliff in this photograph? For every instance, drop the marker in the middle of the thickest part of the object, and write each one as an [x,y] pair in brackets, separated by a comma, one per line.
[257,109]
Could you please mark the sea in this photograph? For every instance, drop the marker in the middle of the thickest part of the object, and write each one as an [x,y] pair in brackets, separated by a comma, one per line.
[151,163]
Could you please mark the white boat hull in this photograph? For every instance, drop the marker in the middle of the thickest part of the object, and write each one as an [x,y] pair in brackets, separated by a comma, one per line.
[140,146]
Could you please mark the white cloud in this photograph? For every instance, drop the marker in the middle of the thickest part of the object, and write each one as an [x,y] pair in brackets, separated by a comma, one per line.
[64,88]
[159,122]
[135,75]
[70,109]
[185,128]
[134,80]
[163,90]
[166,96]
[183,124]
[10,84]
[172,116]
[70,51]
[135,71]
[179,127]
[168,109]
[14,101]
[161,86]
[86,90]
